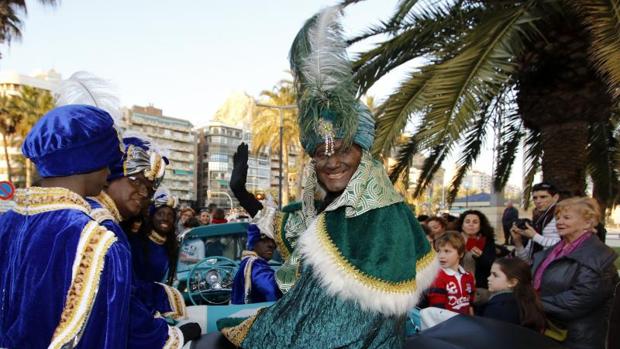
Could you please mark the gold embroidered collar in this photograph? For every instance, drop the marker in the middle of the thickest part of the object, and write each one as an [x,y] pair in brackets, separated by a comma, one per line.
[35,200]
[156,238]
[106,202]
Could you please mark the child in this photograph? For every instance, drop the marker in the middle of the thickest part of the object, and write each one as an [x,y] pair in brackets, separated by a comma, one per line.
[454,288]
[513,297]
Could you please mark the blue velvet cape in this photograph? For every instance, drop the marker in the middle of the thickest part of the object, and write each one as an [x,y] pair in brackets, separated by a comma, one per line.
[147,298]
[40,242]
[264,287]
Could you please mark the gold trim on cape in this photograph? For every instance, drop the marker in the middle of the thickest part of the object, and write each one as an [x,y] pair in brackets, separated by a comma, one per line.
[236,334]
[106,202]
[372,282]
[177,304]
[95,241]
[277,237]
[36,200]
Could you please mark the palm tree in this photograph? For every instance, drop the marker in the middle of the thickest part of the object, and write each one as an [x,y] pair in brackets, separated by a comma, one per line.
[31,104]
[266,129]
[19,113]
[543,72]
[10,21]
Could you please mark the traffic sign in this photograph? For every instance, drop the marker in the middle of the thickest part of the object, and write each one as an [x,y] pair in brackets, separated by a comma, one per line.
[7,190]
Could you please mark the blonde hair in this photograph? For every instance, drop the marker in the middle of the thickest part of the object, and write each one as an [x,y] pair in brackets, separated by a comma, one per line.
[587,207]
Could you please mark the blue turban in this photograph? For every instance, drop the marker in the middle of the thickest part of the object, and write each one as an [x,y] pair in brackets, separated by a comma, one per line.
[73,139]
[364,133]
[254,236]
[139,157]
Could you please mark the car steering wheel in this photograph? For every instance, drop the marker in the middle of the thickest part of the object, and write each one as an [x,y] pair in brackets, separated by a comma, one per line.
[211,279]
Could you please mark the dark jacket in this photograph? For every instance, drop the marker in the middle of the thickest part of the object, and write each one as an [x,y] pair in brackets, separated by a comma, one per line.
[576,292]
[484,263]
[503,307]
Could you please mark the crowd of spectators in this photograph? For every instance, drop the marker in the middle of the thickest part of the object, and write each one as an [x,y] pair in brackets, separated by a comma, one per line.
[553,274]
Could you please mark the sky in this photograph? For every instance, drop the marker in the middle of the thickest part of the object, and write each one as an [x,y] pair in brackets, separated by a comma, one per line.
[185,57]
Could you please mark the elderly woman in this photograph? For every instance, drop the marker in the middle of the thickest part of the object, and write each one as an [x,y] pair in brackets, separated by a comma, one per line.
[577,276]
[363,256]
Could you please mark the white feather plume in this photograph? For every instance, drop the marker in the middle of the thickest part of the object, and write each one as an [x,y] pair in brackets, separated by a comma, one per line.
[328,64]
[85,88]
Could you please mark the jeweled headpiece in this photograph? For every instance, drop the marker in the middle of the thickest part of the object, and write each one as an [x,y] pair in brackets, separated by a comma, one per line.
[328,108]
[162,198]
[140,157]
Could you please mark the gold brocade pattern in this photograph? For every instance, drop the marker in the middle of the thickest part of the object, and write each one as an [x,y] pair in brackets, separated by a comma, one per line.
[106,201]
[236,335]
[151,174]
[372,282]
[88,265]
[156,238]
[100,215]
[277,235]
[177,304]
[36,200]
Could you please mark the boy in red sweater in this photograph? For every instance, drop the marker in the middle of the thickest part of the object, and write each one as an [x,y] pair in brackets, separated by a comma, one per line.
[454,288]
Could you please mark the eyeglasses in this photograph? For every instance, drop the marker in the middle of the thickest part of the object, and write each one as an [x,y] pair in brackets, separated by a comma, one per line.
[141,185]
[320,158]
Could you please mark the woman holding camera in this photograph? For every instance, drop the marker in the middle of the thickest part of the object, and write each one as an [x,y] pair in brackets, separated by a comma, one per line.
[576,277]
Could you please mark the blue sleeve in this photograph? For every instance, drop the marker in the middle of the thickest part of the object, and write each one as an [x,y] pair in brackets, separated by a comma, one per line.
[264,282]
[146,331]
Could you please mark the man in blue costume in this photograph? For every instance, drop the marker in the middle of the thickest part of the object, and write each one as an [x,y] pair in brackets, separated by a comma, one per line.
[132,180]
[64,279]
[255,280]
[131,184]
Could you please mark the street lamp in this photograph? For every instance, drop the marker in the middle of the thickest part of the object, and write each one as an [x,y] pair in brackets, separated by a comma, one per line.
[209,192]
[466,185]
[281,108]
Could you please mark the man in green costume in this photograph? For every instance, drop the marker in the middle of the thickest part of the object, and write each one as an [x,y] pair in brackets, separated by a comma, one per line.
[361,259]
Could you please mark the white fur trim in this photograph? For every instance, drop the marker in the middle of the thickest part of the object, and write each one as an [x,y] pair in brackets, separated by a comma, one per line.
[343,284]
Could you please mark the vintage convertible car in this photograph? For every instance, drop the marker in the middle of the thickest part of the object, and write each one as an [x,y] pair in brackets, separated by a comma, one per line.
[208,261]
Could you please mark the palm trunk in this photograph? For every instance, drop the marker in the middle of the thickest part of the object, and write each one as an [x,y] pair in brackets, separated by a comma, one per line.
[285,191]
[565,158]
[301,164]
[561,95]
[7,158]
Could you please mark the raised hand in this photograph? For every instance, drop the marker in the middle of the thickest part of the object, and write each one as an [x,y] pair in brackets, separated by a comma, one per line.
[238,179]
[239,174]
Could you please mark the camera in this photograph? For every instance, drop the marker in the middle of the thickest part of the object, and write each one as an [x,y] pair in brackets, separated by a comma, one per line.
[520,223]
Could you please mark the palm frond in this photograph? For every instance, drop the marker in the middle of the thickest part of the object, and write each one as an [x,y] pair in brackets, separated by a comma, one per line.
[430,166]
[430,31]
[472,145]
[510,140]
[533,152]
[393,114]
[510,135]
[403,159]
[470,80]
[602,17]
